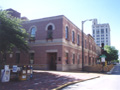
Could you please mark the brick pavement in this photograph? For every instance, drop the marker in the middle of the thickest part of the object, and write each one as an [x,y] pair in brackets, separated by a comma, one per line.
[46,80]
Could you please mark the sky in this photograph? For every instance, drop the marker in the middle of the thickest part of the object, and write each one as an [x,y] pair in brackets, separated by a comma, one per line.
[105,11]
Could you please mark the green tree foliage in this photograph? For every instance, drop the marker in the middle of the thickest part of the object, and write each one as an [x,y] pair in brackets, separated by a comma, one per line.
[12,35]
[111,53]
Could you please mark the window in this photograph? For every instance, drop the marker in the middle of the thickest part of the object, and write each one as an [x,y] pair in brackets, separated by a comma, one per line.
[98,44]
[102,38]
[102,35]
[31,58]
[93,31]
[106,30]
[73,58]
[98,35]
[50,32]
[73,36]
[78,39]
[78,59]
[85,59]
[32,33]
[85,44]
[33,30]
[98,41]
[97,31]
[102,31]
[102,41]
[98,38]
[66,58]
[67,33]
[17,58]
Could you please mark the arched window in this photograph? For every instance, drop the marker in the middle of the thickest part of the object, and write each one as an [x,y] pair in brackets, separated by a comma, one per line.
[73,36]
[50,32]
[66,32]
[78,39]
[32,33]
[85,44]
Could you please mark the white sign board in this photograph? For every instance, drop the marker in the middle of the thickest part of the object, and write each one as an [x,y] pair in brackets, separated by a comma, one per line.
[14,68]
[103,59]
[6,67]
[5,75]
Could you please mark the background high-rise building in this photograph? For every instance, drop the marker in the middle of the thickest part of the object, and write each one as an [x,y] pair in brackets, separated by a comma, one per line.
[101,33]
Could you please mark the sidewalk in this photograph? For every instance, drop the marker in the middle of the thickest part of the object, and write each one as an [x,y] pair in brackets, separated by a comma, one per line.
[48,80]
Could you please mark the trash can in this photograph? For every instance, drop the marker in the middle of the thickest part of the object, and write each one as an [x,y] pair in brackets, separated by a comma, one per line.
[23,73]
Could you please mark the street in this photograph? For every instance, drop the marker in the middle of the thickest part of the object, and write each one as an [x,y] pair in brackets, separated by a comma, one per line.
[105,82]
[116,70]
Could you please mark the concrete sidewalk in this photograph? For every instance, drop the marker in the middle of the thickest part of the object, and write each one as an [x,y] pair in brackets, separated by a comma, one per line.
[49,80]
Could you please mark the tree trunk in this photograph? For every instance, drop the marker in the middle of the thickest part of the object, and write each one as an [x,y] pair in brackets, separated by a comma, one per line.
[2,59]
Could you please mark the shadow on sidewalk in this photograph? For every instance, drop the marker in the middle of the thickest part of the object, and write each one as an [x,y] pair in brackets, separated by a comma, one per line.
[40,81]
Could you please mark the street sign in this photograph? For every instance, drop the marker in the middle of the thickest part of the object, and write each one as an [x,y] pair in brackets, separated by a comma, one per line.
[103,56]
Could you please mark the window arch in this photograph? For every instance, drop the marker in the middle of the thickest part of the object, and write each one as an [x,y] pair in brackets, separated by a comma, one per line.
[49,25]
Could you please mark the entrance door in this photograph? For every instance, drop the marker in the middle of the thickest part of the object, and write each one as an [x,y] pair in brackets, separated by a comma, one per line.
[52,58]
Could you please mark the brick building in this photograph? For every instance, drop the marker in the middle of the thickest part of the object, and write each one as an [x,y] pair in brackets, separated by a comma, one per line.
[55,44]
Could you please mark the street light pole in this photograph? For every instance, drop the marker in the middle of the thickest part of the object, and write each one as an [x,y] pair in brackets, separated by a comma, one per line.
[82,47]
[83,42]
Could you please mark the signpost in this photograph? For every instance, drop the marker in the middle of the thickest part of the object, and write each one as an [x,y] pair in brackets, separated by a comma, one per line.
[103,61]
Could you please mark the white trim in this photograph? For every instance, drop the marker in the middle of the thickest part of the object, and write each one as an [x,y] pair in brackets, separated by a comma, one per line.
[31,51]
[46,28]
[50,51]
[32,27]
[66,25]
[66,51]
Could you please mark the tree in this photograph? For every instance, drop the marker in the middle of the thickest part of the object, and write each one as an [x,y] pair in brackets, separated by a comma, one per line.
[111,53]
[12,35]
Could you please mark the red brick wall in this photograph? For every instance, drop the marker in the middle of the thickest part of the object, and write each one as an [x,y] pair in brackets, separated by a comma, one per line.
[61,44]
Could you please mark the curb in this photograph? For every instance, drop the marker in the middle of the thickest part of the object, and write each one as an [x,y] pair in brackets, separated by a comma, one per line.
[110,71]
[70,83]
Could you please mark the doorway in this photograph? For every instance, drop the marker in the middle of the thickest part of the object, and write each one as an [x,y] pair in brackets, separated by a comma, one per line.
[52,60]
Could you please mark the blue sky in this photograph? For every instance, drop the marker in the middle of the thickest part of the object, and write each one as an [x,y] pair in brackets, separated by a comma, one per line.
[106,11]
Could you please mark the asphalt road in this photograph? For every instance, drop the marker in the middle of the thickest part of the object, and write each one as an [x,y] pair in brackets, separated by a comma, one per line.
[105,82]
[116,70]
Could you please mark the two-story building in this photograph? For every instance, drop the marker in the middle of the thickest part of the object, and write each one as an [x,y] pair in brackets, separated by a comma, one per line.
[55,44]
